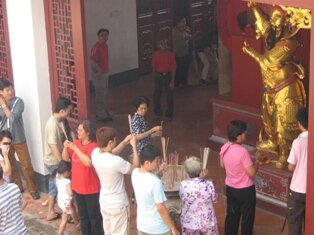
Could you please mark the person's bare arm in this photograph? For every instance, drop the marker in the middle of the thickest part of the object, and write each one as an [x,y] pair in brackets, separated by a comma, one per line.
[4,106]
[222,163]
[69,189]
[252,170]
[95,66]
[291,167]
[156,130]
[136,158]
[118,149]
[65,154]
[162,210]
[85,159]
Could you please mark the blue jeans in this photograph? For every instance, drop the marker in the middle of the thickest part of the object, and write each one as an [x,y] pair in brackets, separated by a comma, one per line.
[52,187]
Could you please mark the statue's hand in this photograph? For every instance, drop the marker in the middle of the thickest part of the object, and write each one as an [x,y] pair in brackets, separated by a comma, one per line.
[246,48]
[251,4]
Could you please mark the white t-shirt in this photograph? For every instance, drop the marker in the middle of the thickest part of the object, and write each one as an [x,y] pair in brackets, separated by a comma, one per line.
[111,169]
[62,189]
[148,190]
[298,157]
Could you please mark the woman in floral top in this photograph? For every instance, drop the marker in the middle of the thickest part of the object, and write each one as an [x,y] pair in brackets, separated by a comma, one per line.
[139,124]
[197,196]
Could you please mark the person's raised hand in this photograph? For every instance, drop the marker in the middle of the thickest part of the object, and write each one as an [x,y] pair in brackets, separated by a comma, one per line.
[133,141]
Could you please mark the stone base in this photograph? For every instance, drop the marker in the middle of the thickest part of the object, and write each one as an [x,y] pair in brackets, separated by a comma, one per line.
[272,187]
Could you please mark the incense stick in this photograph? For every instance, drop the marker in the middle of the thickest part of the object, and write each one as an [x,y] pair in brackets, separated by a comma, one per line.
[205,157]
[130,123]
[63,130]
[163,145]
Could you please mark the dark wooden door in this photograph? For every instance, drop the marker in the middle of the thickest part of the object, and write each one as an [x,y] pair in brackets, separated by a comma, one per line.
[202,18]
[154,21]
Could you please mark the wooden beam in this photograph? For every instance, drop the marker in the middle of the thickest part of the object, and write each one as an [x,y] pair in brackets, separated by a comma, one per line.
[308,4]
[79,46]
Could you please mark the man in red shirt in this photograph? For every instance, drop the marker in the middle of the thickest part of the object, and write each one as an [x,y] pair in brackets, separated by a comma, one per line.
[100,67]
[164,67]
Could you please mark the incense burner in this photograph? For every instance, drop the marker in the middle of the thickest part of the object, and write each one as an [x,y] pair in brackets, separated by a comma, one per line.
[171,179]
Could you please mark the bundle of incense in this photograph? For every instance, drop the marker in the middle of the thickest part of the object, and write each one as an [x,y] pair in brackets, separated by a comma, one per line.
[63,130]
[205,156]
[201,154]
[130,123]
[164,145]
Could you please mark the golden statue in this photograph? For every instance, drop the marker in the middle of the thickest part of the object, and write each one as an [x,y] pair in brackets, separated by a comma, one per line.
[283,93]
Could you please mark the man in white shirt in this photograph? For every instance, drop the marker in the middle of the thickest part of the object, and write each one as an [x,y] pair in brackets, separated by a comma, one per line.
[298,164]
[152,214]
[110,168]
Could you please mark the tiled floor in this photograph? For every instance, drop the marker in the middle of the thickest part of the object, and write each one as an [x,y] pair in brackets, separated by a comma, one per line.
[188,132]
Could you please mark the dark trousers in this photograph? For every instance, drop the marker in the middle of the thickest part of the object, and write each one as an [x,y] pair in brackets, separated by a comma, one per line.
[296,212]
[163,82]
[182,72]
[240,205]
[89,213]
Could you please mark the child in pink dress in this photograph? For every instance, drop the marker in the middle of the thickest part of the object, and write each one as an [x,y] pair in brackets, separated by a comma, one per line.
[197,196]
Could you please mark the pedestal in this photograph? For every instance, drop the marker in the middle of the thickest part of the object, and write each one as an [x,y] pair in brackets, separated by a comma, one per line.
[272,187]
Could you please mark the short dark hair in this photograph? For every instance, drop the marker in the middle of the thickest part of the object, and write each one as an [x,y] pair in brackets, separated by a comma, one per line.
[62,104]
[235,128]
[102,30]
[4,83]
[64,166]
[149,153]
[89,127]
[302,117]
[5,133]
[104,135]
[140,100]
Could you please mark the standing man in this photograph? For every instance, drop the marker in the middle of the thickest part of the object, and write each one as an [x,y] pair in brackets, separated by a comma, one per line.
[298,164]
[11,119]
[55,135]
[100,67]
[164,70]
[181,35]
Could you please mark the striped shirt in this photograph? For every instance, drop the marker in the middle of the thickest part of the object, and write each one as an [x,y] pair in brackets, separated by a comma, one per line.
[11,221]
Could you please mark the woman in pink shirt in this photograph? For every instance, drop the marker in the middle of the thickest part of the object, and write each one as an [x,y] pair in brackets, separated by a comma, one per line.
[240,188]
